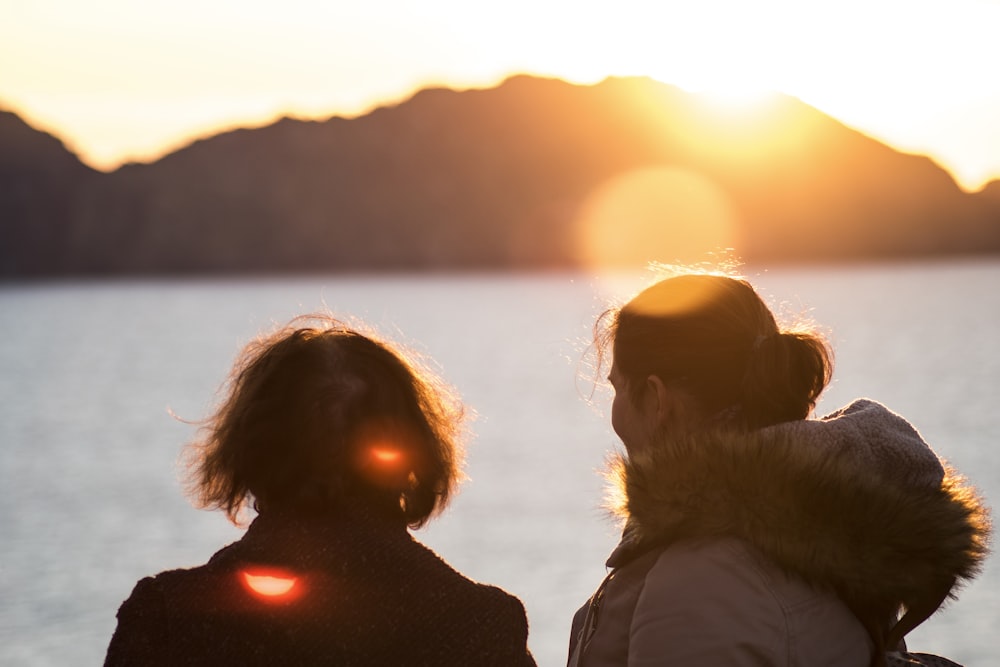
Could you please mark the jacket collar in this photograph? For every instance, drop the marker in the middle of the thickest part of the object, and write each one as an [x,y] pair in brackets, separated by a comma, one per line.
[855,501]
[312,539]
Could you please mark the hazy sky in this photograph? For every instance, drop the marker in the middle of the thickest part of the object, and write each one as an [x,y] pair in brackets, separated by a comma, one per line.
[132,79]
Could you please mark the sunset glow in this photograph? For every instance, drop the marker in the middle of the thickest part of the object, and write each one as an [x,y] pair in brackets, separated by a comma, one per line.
[122,81]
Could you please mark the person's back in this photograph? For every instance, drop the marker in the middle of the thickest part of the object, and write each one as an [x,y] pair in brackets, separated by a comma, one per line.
[359,592]
[340,444]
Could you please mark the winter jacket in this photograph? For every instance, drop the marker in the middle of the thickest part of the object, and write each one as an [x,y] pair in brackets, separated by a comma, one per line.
[363,592]
[798,544]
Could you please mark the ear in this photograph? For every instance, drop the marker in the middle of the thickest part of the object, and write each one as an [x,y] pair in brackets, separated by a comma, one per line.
[663,401]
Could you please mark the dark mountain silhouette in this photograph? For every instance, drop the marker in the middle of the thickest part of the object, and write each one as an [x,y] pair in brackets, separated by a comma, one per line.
[503,178]
[40,182]
[990,195]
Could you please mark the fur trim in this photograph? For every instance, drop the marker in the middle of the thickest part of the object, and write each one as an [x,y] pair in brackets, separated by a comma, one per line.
[856,503]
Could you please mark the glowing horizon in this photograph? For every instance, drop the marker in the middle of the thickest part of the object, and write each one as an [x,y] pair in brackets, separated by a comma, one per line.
[119,82]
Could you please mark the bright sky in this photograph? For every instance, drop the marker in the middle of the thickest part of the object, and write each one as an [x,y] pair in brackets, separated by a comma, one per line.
[128,79]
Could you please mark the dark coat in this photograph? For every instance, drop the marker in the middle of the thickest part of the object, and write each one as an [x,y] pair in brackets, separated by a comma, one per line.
[782,546]
[365,593]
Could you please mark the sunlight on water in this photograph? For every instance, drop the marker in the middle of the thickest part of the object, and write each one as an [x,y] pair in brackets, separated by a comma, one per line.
[89,462]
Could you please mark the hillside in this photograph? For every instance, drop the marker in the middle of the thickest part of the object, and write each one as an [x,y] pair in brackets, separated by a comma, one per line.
[534,173]
[40,183]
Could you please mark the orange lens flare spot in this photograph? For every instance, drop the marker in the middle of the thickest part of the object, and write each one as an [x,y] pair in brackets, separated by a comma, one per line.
[277,585]
[386,455]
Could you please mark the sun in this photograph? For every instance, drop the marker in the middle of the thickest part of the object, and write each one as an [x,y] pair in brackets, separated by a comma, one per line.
[738,98]
[720,79]
[726,91]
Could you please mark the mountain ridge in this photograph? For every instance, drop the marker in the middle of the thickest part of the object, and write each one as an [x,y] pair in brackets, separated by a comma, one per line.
[494,178]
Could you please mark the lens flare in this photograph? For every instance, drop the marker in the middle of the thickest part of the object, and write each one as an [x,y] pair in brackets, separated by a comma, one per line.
[656,214]
[386,455]
[271,584]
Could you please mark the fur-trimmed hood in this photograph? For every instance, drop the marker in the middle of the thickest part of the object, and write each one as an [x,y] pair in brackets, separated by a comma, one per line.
[855,502]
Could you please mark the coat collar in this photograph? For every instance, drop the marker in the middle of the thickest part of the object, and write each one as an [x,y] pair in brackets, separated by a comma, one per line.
[304,540]
[855,502]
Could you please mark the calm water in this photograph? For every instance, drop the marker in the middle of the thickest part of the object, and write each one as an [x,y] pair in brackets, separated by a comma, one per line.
[88,449]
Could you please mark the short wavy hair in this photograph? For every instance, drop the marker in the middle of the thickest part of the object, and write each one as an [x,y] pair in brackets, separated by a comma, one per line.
[317,417]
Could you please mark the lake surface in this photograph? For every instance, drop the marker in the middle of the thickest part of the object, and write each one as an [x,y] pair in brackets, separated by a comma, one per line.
[91,372]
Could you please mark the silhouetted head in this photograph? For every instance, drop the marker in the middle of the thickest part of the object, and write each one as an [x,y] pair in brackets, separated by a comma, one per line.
[700,349]
[320,418]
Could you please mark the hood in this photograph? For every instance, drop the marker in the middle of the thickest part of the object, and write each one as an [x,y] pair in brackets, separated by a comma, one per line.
[855,502]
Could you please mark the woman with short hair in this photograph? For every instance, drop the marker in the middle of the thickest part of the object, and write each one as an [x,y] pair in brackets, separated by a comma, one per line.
[339,443]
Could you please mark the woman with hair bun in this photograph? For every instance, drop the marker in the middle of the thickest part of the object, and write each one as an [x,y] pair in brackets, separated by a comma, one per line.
[753,533]
[338,443]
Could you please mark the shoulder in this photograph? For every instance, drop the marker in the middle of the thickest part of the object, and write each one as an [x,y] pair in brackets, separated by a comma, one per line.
[140,636]
[158,600]
[504,612]
[150,597]
[422,571]
[459,621]
[503,602]
[485,620]
[705,602]
[712,576]
[468,596]
[711,573]
[145,599]
[726,603]
[500,631]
